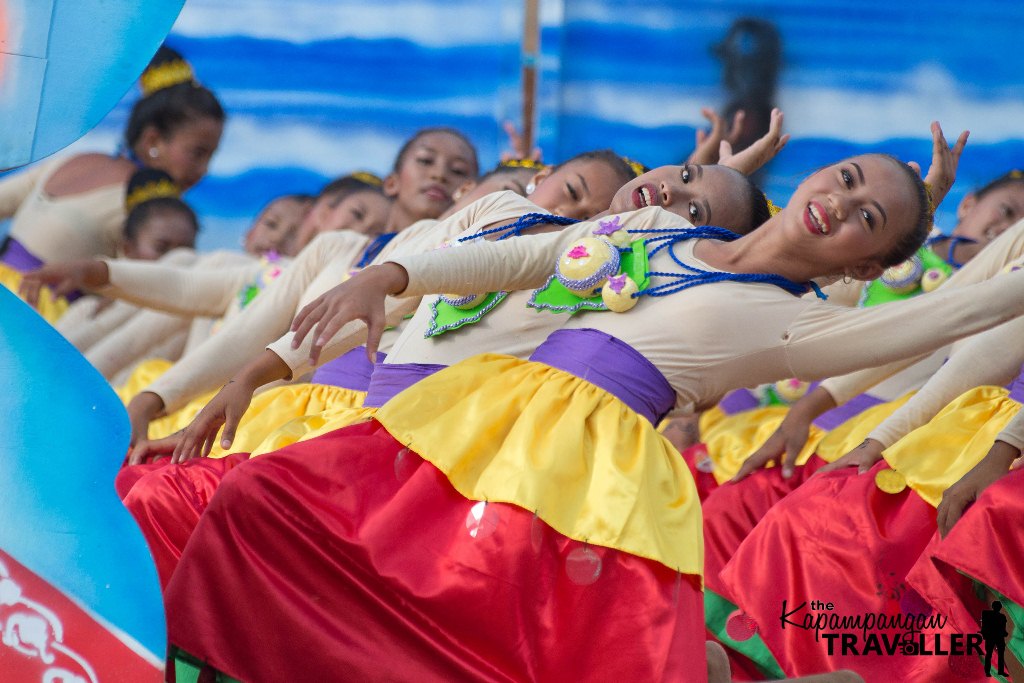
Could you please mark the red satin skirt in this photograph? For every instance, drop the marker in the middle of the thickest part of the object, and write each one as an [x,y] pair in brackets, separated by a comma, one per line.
[733,510]
[348,557]
[838,538]
[986,545]
[167,500]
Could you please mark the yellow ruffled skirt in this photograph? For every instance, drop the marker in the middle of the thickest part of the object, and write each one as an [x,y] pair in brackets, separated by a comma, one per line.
[508,430]
[936,455]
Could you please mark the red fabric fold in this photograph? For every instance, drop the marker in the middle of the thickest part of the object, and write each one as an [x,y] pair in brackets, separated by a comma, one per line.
[838,538]
[733,510]
[168,500]
[349,556]
[987,544]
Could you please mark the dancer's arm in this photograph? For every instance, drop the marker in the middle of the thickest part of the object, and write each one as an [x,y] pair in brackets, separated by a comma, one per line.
[991,358]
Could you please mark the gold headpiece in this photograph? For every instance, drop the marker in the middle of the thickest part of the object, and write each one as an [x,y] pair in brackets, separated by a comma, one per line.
[636,166]
[157,189]
[532,164]
[367,177]
[165,75]
[772,207]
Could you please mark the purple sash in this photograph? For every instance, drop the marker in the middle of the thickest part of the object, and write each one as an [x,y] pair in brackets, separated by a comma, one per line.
[831,419]
[737,401]
[1017,387]
[612,365]
[389,379]
[349,371]
[15,255]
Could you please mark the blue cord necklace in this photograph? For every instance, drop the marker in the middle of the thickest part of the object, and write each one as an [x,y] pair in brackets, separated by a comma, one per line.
[522,223]
[692,276]
[374,248]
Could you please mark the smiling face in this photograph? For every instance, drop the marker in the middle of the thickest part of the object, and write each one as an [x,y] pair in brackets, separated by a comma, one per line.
[430,170]
[577,189]
[986,217]
[703,195]
[847,217]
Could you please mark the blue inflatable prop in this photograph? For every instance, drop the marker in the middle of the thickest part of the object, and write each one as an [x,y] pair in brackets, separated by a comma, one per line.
[65,63]
[79,593]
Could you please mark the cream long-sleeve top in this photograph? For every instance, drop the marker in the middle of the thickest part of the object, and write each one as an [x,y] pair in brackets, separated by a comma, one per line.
[240,337]
[145,333]
[495,208]
[326,262]
[1013,432]
[713,338]
[84,326]
[80,225]
[993,357]
[1007,250]
[511,328]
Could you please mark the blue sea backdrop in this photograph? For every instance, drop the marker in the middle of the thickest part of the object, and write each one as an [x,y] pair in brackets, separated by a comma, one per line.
[318,88]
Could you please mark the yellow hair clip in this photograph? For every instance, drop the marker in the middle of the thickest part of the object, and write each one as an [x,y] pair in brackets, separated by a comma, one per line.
[1015,174]
[368,178]
[165,75]
[158,189]
[772,207]
[522,163]
[638,168]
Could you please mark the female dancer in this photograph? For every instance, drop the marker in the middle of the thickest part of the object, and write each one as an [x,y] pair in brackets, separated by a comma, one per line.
[891,509]
[73,208]
[584,471]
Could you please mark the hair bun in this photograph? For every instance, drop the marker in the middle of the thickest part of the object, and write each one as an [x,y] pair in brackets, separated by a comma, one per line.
[167,68]
[148,184]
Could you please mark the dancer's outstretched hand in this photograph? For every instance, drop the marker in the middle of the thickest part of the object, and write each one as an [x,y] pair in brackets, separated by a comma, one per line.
[359,298]
[709,141]
[945,161]
[144,451]
[64,278]
[760,152]
[225,409]
[863,457]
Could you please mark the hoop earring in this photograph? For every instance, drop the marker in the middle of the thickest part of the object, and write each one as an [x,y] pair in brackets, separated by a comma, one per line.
[847,279]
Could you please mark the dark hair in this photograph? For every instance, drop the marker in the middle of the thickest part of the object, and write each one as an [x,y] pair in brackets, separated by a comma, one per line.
[448,130]
[150,192]
[298,197]
[168,108]
[756,202]
[913,238]
[506,169]
[1013,176]
[616,163]
[340,188]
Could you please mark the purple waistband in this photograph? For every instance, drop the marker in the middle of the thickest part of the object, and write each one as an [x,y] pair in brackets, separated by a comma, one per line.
[15,255]
[855,406]
[1017,387]
[611,364]
[349,371]
[738,401]
[389,379]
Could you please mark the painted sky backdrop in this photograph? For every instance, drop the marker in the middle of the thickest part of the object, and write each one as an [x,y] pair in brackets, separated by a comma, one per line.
[316,88]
